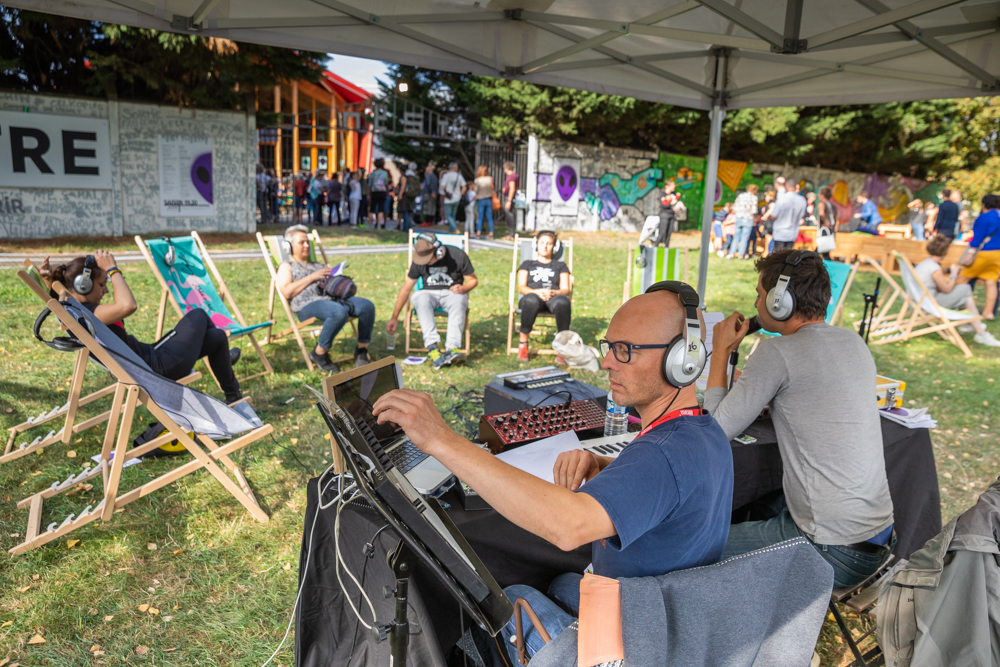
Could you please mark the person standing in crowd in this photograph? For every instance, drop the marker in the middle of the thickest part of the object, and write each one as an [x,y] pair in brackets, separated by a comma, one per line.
[868,216]
[948,287]
[786,217]
[428,196]
[834,489]
[484,200]
[317,194]
[334,193]
[364,212]
[272,195]
[728,230]
[810,220]
[511,181]
[668,217]
[262,205]
[354,197]
[300,186]
[780,188]
[717,218]
[963,214]
[826,211]
[409,190]
[745,207]
[448,278]
[378,183]
[469,201]
[452,187]
[946,223]
[917,219]
[930,209]
[544,286]
[297,280]
[764,222]
[986,266]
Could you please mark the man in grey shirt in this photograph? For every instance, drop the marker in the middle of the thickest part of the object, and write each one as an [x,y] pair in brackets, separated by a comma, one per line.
[820,383]
[787,215]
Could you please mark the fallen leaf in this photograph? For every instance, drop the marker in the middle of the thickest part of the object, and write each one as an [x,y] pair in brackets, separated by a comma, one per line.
[108,619]
[286,566]
[295,441]
[71,454]
[166,650]
[151,589]
[141,650]
[22,590]
[98,653]
[14,534]
[143,607]
[326,436]
[5,660]
[151,546]
[92,611]
[168,618]
[6,623]
[95,648]
[71,543]
[153,611]
[37,639]
[36,577]
[178,551]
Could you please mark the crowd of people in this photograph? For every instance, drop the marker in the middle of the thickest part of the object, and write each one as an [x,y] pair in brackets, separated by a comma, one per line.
[439,196]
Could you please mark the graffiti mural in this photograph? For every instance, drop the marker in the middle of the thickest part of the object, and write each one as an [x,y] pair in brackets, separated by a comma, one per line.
[630,190]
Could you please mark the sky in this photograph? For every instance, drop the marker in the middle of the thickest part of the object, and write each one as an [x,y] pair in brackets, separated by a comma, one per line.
[359,71]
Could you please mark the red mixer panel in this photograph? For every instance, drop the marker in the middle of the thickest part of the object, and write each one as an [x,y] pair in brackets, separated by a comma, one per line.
[507,430]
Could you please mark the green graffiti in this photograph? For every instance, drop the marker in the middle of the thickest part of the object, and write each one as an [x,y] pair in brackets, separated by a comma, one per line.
[632,190]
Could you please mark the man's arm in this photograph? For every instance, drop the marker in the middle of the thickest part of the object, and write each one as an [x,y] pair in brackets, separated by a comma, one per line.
[404,294]
[467,286]
[558,515]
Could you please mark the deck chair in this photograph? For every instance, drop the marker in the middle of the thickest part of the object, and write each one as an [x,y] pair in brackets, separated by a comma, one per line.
[659,264]
[180,409]
[524,251]
[456,241]
[275,250]
[919,314]
[68,411]
[186,281]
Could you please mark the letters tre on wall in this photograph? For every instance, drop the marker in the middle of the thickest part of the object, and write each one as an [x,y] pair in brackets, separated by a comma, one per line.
[51,151]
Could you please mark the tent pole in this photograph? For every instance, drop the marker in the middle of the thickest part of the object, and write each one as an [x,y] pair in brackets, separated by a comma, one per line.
[711,172]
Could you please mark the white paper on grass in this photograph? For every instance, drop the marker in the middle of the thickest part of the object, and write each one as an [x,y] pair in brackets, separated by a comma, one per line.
[539,457]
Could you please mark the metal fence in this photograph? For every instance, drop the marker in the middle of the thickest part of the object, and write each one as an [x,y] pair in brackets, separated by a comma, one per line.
[493,155]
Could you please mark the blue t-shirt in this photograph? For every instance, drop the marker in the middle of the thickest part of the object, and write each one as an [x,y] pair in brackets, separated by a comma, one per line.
[986,225]
[669,496]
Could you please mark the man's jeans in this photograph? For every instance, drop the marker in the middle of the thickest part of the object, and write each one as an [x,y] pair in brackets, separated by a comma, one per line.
[743,227]
[850,567]
[426,300]
[556,612]
[451,215]
[335,315]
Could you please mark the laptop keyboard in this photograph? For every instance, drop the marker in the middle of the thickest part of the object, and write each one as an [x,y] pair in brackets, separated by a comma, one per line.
[406,457]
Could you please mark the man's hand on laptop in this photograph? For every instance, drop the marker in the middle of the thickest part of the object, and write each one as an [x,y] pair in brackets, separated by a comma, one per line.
[419,418]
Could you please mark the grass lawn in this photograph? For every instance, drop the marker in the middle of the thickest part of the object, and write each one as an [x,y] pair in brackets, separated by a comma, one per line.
[223,584]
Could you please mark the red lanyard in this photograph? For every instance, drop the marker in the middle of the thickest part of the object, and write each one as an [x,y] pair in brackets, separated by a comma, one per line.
[684,412]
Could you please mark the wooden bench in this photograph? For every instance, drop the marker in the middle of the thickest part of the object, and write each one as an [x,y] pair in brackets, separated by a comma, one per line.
[881,249]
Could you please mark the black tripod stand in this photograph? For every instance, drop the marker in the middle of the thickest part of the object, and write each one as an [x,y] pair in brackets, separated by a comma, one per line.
[401,559]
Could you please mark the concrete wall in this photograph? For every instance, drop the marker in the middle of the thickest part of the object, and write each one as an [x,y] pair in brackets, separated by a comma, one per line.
[131,206]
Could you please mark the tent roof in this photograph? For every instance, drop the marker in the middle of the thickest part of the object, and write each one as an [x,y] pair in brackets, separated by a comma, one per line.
[779,52]
[351,93]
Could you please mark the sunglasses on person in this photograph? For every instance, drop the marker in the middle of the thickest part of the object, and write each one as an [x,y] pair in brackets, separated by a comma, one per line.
[623,350]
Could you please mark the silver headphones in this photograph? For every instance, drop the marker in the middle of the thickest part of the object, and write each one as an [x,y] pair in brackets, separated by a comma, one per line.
[685,357]
[556,243]
[83,283]
[169,257]
[780,300]
[439,249]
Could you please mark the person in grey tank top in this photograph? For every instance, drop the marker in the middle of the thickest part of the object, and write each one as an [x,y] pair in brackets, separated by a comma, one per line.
[297,280]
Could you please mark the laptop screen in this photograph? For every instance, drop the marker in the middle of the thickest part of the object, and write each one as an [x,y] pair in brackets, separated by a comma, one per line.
[357,395]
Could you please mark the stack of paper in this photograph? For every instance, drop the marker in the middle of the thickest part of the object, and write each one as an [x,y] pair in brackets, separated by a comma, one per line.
[538,458]
[917,418]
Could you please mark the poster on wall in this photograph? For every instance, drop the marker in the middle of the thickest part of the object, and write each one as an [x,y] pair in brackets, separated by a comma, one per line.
[565,185]
[185,176]
[40,150]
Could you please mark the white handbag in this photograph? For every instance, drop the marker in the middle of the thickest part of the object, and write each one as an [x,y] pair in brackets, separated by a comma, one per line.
[826,240]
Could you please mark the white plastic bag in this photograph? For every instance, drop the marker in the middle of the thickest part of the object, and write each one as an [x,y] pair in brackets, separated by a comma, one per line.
[570,347]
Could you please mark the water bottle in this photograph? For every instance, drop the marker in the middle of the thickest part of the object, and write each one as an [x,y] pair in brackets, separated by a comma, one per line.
[615,419]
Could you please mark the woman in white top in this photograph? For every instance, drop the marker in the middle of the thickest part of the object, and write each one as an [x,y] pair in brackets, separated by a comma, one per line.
[484,200]
[946,291]
[354,196]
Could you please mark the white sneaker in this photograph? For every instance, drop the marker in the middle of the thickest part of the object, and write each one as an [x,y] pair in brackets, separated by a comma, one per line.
[986,338]
[966,328]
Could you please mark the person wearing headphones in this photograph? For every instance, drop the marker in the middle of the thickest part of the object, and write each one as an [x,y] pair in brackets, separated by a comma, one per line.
[174,355]
[664,504]
[297,280]
[448,277]
[544,285]
[819,381]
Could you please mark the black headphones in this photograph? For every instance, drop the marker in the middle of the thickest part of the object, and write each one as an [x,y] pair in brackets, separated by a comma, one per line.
[780,301]
[83,283]
[556,244]
[61,343]
[439,249]
[169,257]
[685,357]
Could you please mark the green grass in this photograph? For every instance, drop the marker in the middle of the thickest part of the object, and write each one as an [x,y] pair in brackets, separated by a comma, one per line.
[226,590]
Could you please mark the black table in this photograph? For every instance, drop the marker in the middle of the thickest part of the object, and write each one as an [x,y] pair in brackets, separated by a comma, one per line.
[326,626]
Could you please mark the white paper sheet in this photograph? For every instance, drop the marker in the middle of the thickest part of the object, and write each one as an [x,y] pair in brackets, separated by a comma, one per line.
[538,457]
[711,319]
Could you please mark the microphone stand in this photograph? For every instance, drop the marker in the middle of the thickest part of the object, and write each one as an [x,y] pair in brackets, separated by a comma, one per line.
[867,318]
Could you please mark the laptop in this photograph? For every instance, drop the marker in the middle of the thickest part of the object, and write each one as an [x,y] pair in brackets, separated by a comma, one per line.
[356,391]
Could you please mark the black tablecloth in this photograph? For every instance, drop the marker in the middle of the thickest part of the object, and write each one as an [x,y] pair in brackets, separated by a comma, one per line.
[325,624]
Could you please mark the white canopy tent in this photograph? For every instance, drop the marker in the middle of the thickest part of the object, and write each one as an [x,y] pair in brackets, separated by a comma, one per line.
[703,54]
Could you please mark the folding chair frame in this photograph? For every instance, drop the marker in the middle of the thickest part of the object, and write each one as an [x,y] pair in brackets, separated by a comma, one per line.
[129,395]
[627,292]
[410,310]
[906,323]
[860,599]
[223,289]
[513,297]
[307,326]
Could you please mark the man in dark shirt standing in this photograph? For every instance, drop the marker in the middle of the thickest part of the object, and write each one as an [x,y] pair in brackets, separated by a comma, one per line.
[947,216]
[447,277]
[668,217]
[510,183]
[334,192]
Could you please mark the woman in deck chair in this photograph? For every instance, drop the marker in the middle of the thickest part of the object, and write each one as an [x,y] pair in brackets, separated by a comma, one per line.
[544,287]
[946,291]
[174,355]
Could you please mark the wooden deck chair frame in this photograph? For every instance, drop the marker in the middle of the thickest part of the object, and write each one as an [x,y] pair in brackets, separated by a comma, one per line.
[69,410]
[308,326]
[223,289]
[410,310]
[627,292]
[128,396]
[911,320]
[513,297]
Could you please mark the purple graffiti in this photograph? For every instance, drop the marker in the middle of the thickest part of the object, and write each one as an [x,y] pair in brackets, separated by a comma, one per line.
[201,175]
[588,185]
[566,182]
[544,187]
[609,202]
[876,187]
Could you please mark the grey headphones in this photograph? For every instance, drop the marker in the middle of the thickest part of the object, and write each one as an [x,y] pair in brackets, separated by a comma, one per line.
[685,357]
[780,300]
[169,257]
[439,249]
[83,283]
[556,243]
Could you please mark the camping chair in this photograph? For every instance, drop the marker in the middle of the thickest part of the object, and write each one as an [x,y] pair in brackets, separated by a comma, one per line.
[860,600]
[660,264]
[919,314]
[69,410]
[181,410]
[275,250]
[185,280]
[524,251]
[460,241]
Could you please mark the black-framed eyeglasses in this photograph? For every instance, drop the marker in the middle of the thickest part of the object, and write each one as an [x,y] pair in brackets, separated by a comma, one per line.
[623,350]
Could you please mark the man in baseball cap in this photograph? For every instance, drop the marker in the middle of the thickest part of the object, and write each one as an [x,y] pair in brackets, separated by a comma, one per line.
[447,276]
